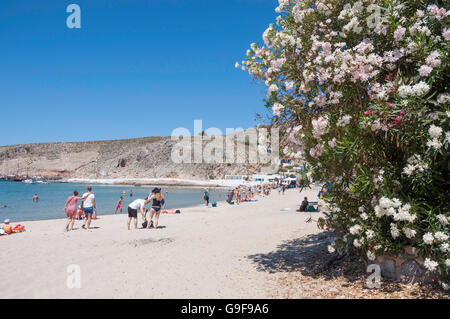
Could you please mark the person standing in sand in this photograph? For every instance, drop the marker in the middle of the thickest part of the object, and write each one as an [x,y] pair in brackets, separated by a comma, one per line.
[89,207]
[157,205]
[206,196]
[72,212]
[138,204]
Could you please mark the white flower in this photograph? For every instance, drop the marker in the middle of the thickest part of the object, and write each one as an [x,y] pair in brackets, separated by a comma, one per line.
[363,216]
[440,236]
[420,89]
[409,169]
[434,131]
[344,121]
[394,231]
[430,264]
[385,202]
[289,85]
[409,233]
[370,255]
[445,247]
[434,143]
[370,234]
[428,238]
[443,98]
[442,219]
[356,243]
[236,65]
[272,88]
[447,262]
[331,249]
[355,229]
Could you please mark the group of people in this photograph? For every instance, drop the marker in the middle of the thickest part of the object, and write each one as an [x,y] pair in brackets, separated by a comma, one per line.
[87,210]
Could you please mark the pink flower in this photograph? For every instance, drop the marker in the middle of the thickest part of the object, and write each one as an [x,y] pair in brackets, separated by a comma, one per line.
[368,112]
[276,108]
[432,60]
[398,34]
[425,70]
[446,34]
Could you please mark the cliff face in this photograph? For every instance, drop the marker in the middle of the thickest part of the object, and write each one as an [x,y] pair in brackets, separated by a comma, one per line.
[148,157]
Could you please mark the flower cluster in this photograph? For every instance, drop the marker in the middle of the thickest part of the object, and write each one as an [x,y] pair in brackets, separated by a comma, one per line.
[363,86]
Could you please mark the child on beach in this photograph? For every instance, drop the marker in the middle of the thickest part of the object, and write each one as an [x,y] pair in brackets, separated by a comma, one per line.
[80,213]
[119,205]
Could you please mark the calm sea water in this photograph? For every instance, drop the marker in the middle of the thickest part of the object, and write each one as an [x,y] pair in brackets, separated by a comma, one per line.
[18,198]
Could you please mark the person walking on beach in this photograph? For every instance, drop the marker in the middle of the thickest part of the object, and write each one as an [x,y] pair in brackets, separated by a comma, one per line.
[89,207]
[70,207]
[157,205]
[119,205]
[206,196]
[138,204]
[283,188]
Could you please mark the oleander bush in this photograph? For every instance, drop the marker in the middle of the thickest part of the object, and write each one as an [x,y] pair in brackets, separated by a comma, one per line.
[363,87]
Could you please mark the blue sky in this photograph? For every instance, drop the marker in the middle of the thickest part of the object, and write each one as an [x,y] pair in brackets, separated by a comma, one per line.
[135,68]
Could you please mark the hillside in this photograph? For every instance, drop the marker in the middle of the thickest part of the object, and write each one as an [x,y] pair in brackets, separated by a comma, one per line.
[148,157]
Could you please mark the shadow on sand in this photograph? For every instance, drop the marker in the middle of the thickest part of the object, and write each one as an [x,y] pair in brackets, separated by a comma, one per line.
[308,255]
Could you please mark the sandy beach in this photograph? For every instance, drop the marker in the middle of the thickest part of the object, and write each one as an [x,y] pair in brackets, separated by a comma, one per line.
[202,253]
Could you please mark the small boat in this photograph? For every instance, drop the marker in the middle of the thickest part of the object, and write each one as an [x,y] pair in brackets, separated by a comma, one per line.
[29,181]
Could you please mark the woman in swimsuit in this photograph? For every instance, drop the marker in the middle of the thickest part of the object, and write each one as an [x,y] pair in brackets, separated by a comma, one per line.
[157,205]
[119,205]
[71,205]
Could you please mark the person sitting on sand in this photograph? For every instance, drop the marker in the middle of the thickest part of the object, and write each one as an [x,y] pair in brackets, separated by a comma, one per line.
[71,206]
[119,205]
[157,205]
[138,204]
[304,205]
[7,227]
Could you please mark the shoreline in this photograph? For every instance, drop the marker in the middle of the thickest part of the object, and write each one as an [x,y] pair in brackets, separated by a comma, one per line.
[158,181]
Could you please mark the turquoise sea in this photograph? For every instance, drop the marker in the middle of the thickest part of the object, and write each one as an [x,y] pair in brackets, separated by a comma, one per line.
[18,198]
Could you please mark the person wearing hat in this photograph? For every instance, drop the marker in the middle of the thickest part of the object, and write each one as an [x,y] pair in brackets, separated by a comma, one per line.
[157,205]
[7,227]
